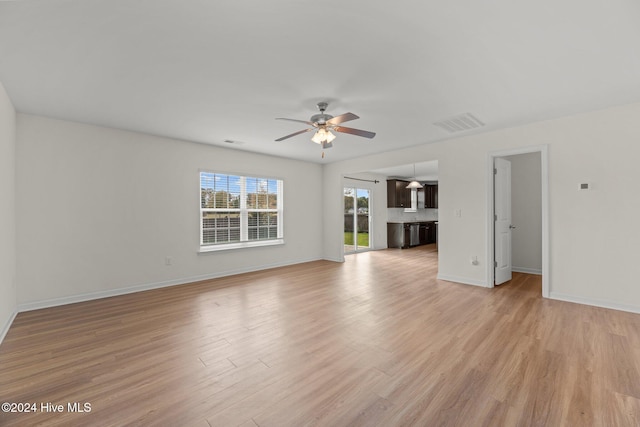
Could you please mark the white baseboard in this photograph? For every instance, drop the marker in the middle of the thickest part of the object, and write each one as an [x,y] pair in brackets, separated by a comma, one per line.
[54,302]
[463,280]
[5,328]
[595,302]
[526,270]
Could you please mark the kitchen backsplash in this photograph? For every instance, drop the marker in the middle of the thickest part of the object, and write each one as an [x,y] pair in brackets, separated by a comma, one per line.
[399,215]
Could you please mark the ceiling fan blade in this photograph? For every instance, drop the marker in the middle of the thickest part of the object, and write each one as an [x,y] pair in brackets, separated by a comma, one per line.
[295,120]
[327,144]
[294,134]
[353,131]
[342,118]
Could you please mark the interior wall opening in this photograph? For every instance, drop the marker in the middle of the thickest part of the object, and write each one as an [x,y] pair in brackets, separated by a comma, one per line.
[527,226]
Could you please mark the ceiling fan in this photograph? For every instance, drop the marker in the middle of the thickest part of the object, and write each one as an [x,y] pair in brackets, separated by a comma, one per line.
[323,124]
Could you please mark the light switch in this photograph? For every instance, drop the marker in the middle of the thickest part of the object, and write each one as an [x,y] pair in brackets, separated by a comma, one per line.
[457,213]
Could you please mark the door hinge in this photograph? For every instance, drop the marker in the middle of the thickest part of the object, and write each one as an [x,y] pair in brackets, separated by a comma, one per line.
[495,171]
[495,264]
[495,217]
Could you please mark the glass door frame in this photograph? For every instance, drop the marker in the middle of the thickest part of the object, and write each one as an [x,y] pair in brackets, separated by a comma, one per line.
[354,245]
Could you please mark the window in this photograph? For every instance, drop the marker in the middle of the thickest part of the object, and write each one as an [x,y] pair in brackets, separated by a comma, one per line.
[239,211]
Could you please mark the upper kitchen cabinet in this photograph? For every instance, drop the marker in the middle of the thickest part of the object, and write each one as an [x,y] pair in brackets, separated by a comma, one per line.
[398,196]
[431,196]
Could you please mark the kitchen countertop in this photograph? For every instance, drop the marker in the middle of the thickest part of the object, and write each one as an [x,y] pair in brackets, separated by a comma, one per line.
[412,222]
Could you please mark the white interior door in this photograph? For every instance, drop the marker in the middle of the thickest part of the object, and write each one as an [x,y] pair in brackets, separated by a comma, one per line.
[503,226]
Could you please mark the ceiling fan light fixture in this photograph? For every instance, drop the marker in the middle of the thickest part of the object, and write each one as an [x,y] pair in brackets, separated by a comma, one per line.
[330,136]
[323,135]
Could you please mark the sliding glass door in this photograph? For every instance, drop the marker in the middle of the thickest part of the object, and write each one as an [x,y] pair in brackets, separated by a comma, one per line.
[356,219]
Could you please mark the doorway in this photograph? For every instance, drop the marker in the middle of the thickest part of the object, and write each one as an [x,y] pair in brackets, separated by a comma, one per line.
[496,248]
[357,219]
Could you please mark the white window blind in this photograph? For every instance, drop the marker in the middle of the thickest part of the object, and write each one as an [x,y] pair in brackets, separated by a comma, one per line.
[239,211]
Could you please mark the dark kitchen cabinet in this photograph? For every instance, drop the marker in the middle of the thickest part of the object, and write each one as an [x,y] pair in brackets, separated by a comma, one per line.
[431,196]
[424,233]
[431,233]
[398,196]
[427,232]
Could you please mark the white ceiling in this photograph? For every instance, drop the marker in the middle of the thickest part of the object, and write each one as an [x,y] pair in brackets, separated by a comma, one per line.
[210,71]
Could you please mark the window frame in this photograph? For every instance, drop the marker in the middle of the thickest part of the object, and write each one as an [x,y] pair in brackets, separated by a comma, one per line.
[244,212]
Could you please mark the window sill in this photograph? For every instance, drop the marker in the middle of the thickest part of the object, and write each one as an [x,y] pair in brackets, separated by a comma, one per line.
[240,245]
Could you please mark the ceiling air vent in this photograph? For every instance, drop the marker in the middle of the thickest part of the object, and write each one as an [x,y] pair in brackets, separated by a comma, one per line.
[460,123]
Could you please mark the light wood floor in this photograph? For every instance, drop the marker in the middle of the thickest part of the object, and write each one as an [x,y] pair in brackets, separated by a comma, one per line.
[376,341]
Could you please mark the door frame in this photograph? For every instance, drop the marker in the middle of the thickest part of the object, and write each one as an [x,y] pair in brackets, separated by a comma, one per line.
[355,217]
[544,173]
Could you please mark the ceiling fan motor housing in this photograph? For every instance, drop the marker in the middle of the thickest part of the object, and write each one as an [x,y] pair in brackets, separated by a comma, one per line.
[321,118]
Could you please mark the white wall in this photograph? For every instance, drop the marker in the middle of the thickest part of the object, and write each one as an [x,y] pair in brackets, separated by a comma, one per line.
[8,305]
[72,244]
[526,212]
[594,234]
[99,209]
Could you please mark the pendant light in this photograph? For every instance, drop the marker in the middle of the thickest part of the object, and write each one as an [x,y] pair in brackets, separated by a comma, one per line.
[414,184]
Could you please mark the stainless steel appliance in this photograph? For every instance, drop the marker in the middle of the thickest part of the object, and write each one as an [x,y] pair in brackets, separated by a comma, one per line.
[414,234]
